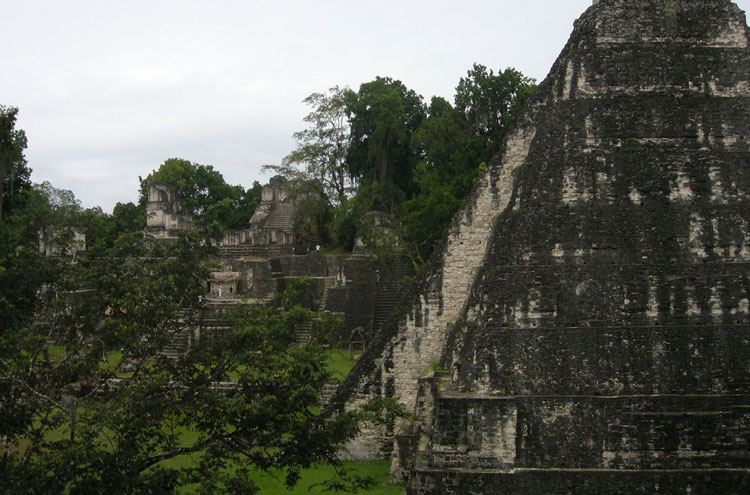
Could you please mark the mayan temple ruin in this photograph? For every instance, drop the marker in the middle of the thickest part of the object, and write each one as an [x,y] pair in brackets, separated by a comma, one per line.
[585,326]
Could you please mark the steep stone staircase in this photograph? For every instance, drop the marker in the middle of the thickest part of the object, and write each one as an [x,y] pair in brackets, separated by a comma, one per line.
[303,335]
[329,282]
[250,250]
[55,336]
[181,342]
[329,389]
[183,338]
[281,217]
[387,294]
[209,322]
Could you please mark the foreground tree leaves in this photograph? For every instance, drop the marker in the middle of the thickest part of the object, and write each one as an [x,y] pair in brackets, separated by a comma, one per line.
[109,413]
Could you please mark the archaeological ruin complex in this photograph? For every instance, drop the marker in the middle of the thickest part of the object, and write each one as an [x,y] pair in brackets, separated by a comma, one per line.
[255,265]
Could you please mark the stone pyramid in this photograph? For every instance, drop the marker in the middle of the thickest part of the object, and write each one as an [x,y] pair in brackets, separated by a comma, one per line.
[594,326]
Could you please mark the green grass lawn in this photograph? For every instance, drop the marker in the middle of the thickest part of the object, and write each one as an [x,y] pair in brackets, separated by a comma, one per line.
[335,251]
[378,470]
[58,352]
[273,483]
[339,363]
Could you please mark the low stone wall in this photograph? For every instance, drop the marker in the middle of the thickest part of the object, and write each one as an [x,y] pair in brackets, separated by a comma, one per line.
[579,482]
[308,265]
[589,432]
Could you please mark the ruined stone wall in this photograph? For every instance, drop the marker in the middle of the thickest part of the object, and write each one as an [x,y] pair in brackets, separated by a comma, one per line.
[310,265]
[62,241]
[165,215]
[551,481]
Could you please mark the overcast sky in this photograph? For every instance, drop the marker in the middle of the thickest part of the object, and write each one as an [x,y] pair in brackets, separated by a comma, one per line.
[108,90]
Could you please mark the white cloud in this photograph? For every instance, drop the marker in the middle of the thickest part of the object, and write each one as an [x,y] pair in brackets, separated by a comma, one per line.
[107,90]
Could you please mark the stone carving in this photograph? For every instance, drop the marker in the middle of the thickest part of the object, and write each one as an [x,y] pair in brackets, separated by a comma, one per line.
[590,305]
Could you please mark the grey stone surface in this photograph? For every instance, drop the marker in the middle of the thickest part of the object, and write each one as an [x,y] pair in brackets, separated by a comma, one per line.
[165,214]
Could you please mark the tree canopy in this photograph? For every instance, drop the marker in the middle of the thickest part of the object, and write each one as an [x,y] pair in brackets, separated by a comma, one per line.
[383,115]
[322,147]
[455,142]
[415,162]
[205,194]
[490,104]
[14,173]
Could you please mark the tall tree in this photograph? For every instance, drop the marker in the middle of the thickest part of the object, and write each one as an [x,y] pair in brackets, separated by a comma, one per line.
[454,144]
[444,140]
[490,103]
[14,174]
[128,217]
[64,206]
[234,211]
[320,156]
[383,116]
[197,186]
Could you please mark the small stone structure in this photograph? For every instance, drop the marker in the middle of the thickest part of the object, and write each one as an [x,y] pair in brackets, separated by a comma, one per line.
[165,214]
[273,220]
[224,284]
[62,241]
[270,230]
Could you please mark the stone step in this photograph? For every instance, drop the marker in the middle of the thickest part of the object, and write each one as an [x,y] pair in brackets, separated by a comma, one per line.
[678,439]
[303,335]
[554,481]
[329,389]
[180,344]
[328,283]
[256,251]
